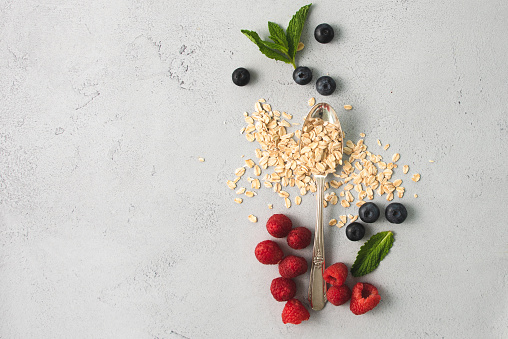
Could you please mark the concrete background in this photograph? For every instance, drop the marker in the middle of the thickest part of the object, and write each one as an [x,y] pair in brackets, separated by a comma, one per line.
[111,228]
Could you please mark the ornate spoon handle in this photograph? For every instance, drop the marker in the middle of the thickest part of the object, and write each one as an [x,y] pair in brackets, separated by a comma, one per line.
[317,285]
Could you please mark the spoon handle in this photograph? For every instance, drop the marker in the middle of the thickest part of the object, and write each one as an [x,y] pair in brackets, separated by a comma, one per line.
[317,285]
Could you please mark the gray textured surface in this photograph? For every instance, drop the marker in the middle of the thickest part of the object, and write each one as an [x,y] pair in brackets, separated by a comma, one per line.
[110,227]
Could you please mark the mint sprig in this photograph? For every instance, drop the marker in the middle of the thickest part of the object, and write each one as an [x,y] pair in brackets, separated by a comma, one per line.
[277,34]
[294,30]
[254,37]
[284,45]
[371,253]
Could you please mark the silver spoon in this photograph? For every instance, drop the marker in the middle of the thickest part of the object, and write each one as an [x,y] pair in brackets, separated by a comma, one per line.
[317,285]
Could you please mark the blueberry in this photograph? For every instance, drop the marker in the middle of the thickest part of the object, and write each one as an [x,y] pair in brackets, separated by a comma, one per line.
[355,231]
[324,33]
[395,213]
[368,212]
[241,76]
[302,75]
[325,85]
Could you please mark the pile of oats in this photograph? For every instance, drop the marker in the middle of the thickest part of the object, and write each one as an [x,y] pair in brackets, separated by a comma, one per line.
[363,173]
[279,152]
[321,145]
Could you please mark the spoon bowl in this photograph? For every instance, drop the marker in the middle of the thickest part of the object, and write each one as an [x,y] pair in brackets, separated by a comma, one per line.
[323,111]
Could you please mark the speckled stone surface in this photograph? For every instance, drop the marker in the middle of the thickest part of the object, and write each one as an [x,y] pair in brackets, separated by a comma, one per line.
[110,227]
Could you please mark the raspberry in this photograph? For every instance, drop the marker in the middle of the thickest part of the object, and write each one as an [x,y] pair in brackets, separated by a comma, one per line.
[336,274]
[364,298]
[279,225]
[294,312]
[268,252]
[299,238]
[338,295]
[283,289]
[292,266]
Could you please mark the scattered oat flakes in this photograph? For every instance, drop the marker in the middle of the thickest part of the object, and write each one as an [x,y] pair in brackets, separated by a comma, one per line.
[238,200]
[201,159]
[416,177]
[250,194]
[405,169]
[395,157]
[249,163]
[349,197]
[262,100]
[343,219]
[362,135]
[231,184]
[312,101]
[335,183]
[241,190]
[348,107]
[298,200]
[252,218]
[431,160]
[283,194]
[379,142]
[270,206]
[256,184]
[240,171]
[354,218]
[386,147]
[300,46]
[416,195]
[257,170]
[287,116]
[332,222]
[287,202]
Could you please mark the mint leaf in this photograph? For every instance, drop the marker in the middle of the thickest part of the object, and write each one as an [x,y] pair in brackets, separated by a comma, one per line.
[294,31]
[277,34]
[254,37]
[371,253]
[284,45]
[276,47]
